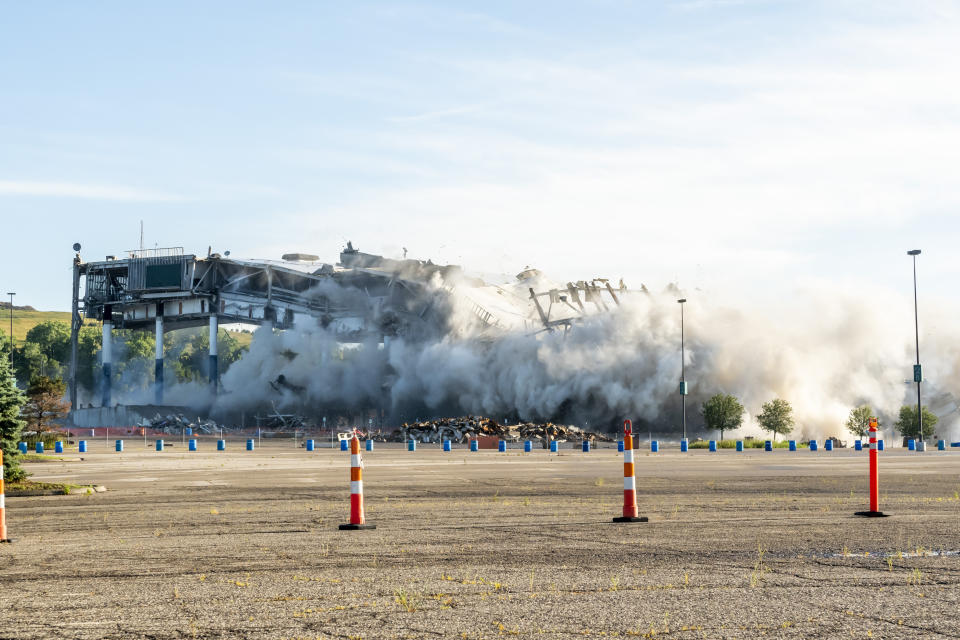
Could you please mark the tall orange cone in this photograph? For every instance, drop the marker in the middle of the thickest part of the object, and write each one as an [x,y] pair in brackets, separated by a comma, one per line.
[874,511]
[629,480]
[3,506]
[357,520]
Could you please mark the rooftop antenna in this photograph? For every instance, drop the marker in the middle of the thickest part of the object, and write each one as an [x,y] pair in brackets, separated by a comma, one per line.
[141,236]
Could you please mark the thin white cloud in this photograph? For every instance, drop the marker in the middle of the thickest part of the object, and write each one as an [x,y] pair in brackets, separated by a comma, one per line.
[83,191]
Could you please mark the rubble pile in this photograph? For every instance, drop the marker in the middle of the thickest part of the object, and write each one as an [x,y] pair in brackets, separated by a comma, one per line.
[176,423]
[281,422]
[464,429]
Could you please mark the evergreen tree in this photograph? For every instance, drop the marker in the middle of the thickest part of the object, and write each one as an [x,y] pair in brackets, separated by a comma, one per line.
[11,402]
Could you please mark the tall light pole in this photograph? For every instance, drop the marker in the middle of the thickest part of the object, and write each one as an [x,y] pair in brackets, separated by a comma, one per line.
[11,294]
[917,373]
[683,380]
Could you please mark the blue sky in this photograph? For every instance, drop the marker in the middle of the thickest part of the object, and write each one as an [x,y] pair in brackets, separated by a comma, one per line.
[742,148]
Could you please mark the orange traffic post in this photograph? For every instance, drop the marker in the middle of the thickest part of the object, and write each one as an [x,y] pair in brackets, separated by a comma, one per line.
[357,520]
[629,479]
[874,511]
[3,506]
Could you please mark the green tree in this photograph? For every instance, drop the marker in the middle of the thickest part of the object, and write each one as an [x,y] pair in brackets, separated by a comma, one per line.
[776,416]
[11,426]
[722,412]
[53,339]
[45,403]
[909,426]
[859,420]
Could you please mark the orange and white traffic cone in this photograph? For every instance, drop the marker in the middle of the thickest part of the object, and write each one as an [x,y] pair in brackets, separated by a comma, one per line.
[3,506]
[629,480]
[357,520]
[874,511]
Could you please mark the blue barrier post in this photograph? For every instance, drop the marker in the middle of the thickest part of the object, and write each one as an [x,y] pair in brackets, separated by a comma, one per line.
[554,446]
[23,447]
[528,446]
[118,446]
[879,444]
[344,445]
[654,446]
[474,445]
[713,446]
[250,444]
[58,446]
[813,445]
[828,445]
[793,445]
[369,444]
[309,444]
[189,431]
[585,447]
[82,446]
[221,445]
[619,446]
[192,444]
[502,446]
[684,445]
[941,445]
[768,445]
[39,447]
[911,445]
[411,444]
[739,445]
[160,445]
[446,445]
[858,445]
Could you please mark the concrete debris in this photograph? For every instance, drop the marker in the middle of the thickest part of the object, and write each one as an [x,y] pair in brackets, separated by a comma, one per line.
[464,429]
[176,422]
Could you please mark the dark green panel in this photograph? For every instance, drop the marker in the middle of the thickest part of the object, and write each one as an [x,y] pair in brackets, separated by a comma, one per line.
[163,276]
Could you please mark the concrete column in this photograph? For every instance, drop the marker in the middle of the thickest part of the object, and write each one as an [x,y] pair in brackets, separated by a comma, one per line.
[158,355]
[214,370]
[106,353]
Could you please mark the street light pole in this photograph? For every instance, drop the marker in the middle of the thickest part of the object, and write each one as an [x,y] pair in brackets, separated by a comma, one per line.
[683,380]
[917,372]
[11,294]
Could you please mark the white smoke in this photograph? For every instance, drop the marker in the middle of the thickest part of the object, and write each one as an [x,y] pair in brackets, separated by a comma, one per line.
[823,353]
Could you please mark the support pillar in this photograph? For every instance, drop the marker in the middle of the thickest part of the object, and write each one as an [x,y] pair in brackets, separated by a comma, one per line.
[158,355]
[75,323]
[214,369]
[106,352]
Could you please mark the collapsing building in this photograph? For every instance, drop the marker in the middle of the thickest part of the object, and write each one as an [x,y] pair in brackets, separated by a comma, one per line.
[363,299]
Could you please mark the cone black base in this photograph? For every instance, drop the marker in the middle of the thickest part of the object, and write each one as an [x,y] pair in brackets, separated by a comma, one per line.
[6,541]
[625,519]
[871,514]
[354,527]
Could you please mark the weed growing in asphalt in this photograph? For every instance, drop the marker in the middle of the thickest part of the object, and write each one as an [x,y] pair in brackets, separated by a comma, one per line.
[759,568]
[407,601]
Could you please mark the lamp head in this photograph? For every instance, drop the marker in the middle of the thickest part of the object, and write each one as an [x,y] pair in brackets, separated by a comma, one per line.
[682,300]
[913,252]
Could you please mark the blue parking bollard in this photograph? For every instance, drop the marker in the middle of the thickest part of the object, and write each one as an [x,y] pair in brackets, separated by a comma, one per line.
[58,446]
[768,445]
[192,444]
[911,445]
[344,445]
[118,446]
[619,446]
[858,445]
[23,447]
[250,444]
[82,446]
[39,447]
[586,446]
[684,445]
[447,446]
[654,446]
[793,445]
[828,445]
[713,446]
[813,445]
[527,446]
[411,445]
[309,444]
[221,445]
[879,445]
[369,444]
[502,446]
[739,445]
[554,446]
[474,445]
[160,445]
[941,445]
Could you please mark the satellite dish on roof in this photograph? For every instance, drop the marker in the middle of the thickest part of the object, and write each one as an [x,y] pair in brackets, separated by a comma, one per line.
[76,246]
